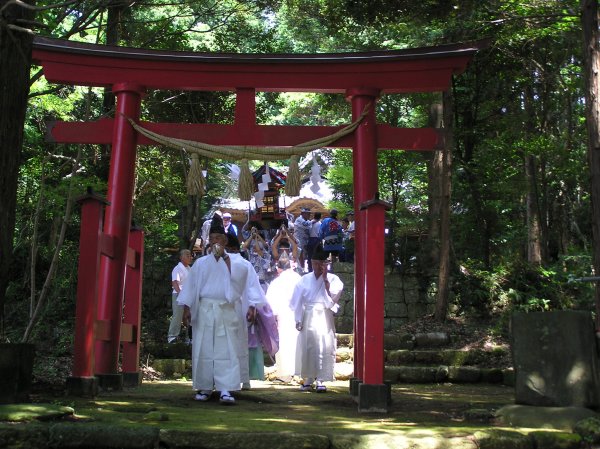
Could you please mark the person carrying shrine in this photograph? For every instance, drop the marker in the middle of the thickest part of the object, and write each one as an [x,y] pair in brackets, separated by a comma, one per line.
[212,300]
[314,301]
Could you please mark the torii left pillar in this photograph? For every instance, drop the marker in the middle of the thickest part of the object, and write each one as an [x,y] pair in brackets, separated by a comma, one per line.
[82,382]
[117,222]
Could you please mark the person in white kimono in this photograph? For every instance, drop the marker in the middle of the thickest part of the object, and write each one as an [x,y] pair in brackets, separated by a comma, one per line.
[279,296]
[212,304]
[314,301]
[245,286]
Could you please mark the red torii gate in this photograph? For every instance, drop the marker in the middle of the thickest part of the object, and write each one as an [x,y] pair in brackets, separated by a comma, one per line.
[361,77]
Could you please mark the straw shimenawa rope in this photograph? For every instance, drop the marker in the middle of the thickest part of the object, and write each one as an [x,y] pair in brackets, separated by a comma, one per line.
[244,153]
[245,182]
[195,180]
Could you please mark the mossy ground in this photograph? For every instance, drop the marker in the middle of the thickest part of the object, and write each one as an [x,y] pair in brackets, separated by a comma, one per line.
[416,409]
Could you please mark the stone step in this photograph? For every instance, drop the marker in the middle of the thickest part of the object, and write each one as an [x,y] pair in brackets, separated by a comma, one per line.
[456,357]
[445,373]
[451,357]
[404,341]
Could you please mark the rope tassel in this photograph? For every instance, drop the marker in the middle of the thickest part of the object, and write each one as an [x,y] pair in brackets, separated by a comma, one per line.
[292,184]
[246,182]
[195,180]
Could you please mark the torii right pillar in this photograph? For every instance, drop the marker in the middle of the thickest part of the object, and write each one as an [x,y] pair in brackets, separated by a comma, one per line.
[373,395]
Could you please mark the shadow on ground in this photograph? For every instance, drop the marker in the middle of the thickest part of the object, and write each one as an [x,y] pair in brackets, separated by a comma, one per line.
[272,407]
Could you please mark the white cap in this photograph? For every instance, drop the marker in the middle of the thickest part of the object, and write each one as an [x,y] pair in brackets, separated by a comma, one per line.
[226,215]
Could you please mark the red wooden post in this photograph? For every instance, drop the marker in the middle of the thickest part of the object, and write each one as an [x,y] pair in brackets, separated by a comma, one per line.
[132,317]
[364,163]
[116,226]
[374,292]
[369,267]
[82,381]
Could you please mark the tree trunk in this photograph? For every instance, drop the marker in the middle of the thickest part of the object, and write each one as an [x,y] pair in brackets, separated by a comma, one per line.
[15,62]
[441,305]
[591,54]
[430,255]
[534,229]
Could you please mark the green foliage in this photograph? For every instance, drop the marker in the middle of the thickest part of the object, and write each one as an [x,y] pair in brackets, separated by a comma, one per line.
[519,286]
[520,97]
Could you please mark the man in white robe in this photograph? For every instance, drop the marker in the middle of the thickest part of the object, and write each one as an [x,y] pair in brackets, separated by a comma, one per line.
[212,303]
[246,287]
[279,295]
[314,301]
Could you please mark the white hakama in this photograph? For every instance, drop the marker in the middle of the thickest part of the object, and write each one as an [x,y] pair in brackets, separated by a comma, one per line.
[279,296]
[314,308]
[213,295]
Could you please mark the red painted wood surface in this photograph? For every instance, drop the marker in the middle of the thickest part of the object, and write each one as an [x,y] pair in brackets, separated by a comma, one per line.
[132,312]
[117,223]
[90,238]
[414,70]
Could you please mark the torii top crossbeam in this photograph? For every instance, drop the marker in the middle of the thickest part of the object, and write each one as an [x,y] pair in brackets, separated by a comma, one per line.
[361,77]
[413,70]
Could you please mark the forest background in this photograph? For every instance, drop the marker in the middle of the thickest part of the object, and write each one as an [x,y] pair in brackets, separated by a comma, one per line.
[520,210]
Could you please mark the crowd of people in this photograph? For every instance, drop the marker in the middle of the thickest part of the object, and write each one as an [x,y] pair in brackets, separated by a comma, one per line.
[251,294]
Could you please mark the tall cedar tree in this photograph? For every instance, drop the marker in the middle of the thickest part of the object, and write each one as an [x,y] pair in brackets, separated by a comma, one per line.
[15,62]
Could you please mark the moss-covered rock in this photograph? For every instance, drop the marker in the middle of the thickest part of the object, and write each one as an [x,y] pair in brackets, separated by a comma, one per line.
[555,440]
[23,436]
[492,375]
[502,439]
[156,416]
[29,412]
[479,415]
[74,435]
[558,418]
[464,374]
[589,429]
[257,440]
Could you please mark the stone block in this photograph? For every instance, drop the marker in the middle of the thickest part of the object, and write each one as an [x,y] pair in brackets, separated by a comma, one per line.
[132,379]
[464,374]
[82,386]
[417,374]
[432,339]
[16,371]
[398,341]
[391,295]
[492,375]
[353,386]
[373,398]
[395,323]
[557,418]
[395,310]
[555,358]
[110,382]
[399,357]
[391,373]
[393,282]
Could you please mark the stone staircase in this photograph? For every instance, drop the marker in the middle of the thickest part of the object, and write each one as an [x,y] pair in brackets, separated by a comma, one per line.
[419,358]
[429,358]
